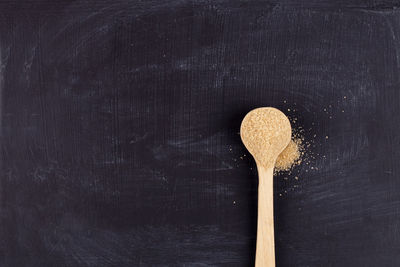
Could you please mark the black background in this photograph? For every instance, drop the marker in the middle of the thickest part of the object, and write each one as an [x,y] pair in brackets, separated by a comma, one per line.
[120,120]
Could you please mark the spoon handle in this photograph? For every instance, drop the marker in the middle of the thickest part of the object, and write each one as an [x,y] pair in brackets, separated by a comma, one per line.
[265,251]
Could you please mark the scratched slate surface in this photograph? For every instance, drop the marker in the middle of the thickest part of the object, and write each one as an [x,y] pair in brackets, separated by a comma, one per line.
[120,119]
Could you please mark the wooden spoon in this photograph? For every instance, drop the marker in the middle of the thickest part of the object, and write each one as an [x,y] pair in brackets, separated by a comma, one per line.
[265,132]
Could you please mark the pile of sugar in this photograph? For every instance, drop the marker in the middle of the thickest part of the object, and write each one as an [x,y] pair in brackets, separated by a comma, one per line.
[294,153]
[291,156]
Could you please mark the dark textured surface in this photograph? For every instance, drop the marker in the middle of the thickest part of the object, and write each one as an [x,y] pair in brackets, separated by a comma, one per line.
[120,119]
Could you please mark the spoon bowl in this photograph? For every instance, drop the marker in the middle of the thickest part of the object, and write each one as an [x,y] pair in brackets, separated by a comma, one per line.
[265,132]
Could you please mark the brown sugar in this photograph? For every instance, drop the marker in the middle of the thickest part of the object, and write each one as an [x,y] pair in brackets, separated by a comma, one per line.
[265,132]
[291,156]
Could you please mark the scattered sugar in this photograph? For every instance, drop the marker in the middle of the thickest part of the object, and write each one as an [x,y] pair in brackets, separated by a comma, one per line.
[297,152]
[290,156]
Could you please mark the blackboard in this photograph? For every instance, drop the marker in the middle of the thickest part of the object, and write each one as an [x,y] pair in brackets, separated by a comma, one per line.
[120,120]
